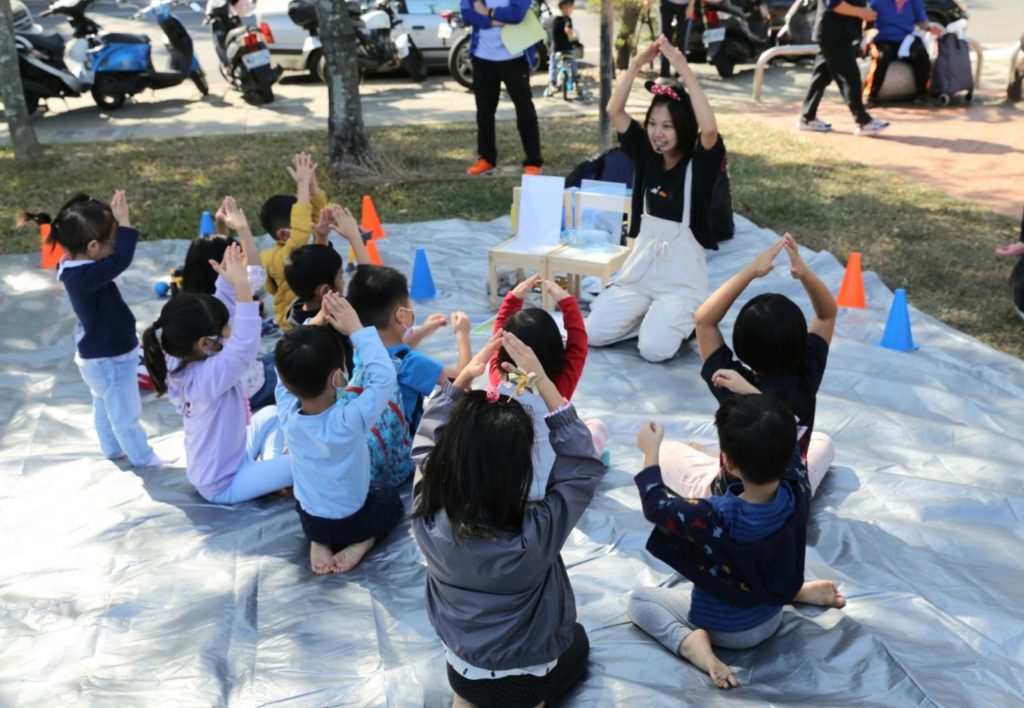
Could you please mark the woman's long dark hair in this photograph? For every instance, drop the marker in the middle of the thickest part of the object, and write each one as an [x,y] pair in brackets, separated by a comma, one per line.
[183,321]
[684,120]
[481,468]
[81,220]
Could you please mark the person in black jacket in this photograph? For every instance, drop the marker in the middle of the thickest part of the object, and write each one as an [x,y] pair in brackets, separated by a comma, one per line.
[837,30]
[563,41]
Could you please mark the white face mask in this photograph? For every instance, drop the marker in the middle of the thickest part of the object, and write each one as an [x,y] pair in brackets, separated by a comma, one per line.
[408,327]
[217,345]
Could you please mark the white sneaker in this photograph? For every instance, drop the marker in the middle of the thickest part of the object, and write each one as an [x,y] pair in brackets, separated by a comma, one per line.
[873,128]
[816,125]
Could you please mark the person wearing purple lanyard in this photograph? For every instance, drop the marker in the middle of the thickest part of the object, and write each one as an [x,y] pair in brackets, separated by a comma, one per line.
[494,65]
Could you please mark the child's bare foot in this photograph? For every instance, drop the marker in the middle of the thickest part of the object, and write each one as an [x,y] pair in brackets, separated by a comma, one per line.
[348,557]
[822,593]
[320,558]
[696,649]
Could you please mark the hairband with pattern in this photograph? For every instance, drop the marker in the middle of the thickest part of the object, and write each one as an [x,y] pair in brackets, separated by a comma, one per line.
[659,90]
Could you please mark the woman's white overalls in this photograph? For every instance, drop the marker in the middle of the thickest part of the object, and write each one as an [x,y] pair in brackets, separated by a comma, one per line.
[655,295]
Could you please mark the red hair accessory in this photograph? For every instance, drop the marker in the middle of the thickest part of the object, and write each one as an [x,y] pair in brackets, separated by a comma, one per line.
[659,90]
[492,394]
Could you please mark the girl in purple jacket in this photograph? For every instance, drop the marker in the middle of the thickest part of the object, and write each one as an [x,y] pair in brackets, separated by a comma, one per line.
[209,342]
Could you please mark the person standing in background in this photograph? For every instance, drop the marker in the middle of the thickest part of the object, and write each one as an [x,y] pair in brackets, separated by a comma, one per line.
[494,65]
[683,11]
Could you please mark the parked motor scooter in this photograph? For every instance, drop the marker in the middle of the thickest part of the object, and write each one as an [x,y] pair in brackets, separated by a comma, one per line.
[243,54]
[41,61]
[735,33]
[122,63]
[113,65]
[381,42]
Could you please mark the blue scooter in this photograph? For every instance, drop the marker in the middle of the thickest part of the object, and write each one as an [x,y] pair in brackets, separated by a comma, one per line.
[119,64]
[123,63]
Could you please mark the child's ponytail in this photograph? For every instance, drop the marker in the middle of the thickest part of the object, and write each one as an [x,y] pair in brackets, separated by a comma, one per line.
[39,218]
[81,220]
[183,321]
[153,357]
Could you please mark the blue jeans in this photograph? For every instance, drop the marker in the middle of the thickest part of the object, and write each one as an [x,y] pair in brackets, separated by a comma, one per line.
[265,468]
[553,73]
[116,406]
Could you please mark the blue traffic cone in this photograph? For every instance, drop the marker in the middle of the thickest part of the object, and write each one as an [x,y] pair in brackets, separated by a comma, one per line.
[422,281]
[206,225]
[897,335]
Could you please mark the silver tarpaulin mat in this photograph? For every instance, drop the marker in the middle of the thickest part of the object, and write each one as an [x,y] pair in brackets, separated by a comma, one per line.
[126,588]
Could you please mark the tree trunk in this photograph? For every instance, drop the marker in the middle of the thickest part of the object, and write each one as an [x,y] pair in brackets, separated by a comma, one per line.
[607,71]
[626,43]
[346,133]
[23,135]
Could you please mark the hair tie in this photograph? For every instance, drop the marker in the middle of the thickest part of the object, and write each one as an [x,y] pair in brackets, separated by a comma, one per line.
[492,394]
[659,90]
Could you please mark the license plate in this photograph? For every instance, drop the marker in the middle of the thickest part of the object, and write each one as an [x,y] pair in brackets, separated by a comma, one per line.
[444,31]
[257,58]
[714,35]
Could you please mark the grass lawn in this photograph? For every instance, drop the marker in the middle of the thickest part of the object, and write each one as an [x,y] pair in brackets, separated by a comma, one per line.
[916,237]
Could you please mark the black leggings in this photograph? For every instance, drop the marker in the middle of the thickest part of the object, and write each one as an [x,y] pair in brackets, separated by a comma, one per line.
[887,53]
[488,76]
[836,60]
[528,691]
[668,11]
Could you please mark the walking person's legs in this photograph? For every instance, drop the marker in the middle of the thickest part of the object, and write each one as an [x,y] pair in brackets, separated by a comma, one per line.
[821,77]
[841,58]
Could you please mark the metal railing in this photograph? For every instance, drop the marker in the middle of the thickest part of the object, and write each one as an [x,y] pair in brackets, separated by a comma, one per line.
[802,50]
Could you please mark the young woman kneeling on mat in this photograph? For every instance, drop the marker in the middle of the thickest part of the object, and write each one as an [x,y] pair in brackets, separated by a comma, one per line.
[677,153]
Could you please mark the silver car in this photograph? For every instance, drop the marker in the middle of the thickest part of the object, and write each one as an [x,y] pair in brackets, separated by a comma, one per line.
[288,42]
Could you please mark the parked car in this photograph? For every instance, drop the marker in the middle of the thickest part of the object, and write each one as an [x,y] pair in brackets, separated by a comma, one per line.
[420,18]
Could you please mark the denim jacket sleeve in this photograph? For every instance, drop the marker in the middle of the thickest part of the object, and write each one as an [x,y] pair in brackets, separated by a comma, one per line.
[514,13]
[473,18]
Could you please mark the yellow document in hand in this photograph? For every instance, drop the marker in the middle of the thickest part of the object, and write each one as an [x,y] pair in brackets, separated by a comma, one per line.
[527,33]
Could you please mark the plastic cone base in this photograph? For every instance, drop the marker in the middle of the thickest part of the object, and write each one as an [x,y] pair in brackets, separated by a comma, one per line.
[897,335]
[371,248]
[851,292]
[422,281]
[370,221]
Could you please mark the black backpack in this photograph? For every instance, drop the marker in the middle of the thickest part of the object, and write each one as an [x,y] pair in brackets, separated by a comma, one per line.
[719,213]
[611,166]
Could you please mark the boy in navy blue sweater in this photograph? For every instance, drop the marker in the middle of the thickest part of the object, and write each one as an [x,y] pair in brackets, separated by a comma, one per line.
[100,246]
[743,550]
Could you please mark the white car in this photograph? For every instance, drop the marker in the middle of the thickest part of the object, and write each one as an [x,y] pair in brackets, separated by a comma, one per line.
[420,18]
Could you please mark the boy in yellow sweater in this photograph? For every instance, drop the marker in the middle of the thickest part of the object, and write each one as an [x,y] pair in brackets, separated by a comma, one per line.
[290,220]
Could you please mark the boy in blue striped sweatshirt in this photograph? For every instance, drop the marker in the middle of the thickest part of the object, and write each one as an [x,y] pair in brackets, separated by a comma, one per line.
[743,550]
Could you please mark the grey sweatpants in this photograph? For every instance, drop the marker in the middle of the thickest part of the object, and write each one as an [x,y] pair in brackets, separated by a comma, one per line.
[663,612]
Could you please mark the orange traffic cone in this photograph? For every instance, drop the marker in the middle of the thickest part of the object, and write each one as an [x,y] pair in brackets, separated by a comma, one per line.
[370,221]
[851,292]
[371,248]
[50,253]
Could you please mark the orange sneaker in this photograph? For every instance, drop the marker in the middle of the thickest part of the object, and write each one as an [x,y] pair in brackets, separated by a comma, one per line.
[532,170]
[481,168]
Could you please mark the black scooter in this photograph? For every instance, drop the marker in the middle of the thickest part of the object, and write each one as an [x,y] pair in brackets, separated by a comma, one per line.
[735,33]
[243,53]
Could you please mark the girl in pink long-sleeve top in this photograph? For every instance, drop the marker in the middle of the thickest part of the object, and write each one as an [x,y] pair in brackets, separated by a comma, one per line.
[209,342]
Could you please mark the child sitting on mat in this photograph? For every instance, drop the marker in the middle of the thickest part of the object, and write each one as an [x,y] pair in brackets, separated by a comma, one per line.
[198,277]
[100,246]
[197,352]
[316,269]
[564,363]
[778,353]
[743,550]
[289,220]
[380,296]
[342,512]
[498,594]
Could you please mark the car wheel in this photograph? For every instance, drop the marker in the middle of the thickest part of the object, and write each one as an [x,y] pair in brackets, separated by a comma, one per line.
[459,62]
